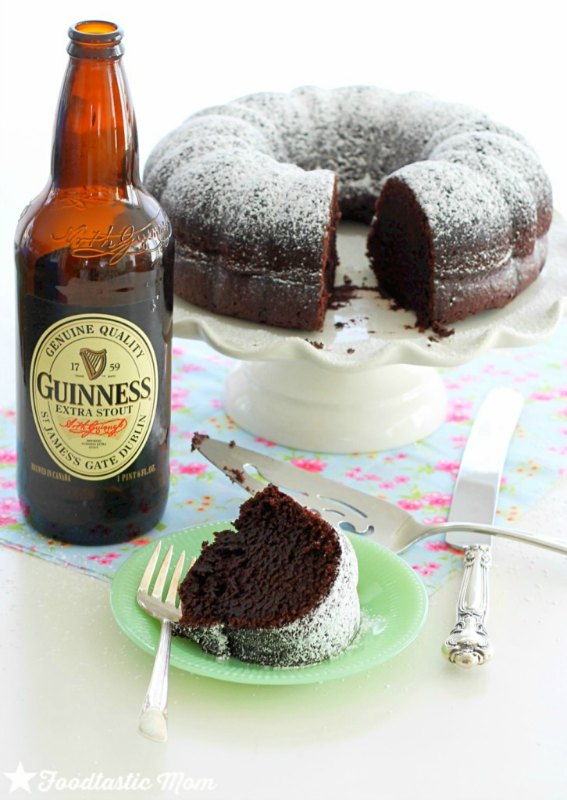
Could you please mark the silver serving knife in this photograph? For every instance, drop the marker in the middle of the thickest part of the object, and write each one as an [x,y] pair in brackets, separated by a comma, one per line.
[474,499]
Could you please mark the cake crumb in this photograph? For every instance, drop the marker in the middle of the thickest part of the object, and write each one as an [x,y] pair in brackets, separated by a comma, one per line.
[342,295]
[317,345]
[442,330]
[197,440]
[236,475]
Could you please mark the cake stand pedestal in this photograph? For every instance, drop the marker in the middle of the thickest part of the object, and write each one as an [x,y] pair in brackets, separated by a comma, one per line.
[312,408]
[368,381]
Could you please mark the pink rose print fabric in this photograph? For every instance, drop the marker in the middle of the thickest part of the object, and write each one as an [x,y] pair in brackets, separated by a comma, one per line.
[418,478]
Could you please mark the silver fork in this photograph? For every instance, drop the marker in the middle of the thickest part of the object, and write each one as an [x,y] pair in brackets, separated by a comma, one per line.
[153,714]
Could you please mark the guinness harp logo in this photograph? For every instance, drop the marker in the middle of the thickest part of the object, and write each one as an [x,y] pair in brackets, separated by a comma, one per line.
[91,424]
[94,361]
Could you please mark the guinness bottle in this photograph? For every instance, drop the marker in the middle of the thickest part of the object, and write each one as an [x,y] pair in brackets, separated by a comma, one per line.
[94,259]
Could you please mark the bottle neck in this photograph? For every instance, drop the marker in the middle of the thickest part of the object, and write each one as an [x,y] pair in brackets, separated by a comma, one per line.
[95,141]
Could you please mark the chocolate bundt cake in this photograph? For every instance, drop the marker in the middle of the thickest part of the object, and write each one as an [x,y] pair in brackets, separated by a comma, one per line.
[459,206]
[281,591]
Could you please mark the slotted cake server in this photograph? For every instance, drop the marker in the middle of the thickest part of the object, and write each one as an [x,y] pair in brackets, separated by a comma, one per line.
[341,506]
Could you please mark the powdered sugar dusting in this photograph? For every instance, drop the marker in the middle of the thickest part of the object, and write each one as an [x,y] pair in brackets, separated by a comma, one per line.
[281,209]
[469,219]
[249,188]
[322,633]
[513,169]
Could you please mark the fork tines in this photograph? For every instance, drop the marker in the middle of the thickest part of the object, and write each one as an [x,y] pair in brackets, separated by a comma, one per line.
[159,584]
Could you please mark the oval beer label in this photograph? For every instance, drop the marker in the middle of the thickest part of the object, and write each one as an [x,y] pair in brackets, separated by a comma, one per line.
[93,390]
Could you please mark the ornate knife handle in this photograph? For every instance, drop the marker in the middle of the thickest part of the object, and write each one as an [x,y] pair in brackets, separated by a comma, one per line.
[468,644]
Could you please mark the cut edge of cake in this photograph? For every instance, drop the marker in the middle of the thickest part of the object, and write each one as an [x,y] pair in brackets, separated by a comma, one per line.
[321,631]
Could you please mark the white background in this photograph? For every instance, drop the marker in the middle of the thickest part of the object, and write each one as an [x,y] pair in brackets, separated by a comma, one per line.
[415,727]
[506,58]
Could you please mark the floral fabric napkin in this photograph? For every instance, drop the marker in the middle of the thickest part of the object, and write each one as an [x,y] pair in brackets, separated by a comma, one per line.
[418,477]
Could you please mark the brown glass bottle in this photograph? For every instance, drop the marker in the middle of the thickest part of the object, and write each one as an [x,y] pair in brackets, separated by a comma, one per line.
[94,260]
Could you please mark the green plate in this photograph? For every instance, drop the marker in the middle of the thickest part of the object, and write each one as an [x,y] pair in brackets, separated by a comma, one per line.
[392,597]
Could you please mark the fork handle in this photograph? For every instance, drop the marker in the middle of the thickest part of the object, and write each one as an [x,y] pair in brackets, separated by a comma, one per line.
[153,714]
[468,644]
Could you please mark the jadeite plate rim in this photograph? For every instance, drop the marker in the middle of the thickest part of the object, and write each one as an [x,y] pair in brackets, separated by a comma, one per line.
[384,578]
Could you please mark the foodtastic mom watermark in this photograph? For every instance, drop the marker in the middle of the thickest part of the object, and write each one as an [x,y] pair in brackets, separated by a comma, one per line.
[47,780]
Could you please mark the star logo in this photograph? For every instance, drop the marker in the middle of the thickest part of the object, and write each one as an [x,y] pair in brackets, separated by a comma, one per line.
[20,779]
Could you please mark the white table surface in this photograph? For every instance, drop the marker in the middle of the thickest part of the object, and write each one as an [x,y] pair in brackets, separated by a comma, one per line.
[71,683]
[415,727]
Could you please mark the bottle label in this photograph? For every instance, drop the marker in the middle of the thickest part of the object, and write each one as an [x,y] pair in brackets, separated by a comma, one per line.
[93,390]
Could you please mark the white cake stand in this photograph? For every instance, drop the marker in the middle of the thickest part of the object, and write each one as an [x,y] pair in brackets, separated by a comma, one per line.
[368,380]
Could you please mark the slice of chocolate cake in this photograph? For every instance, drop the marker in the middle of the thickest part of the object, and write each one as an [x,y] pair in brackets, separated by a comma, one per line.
[280,591]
